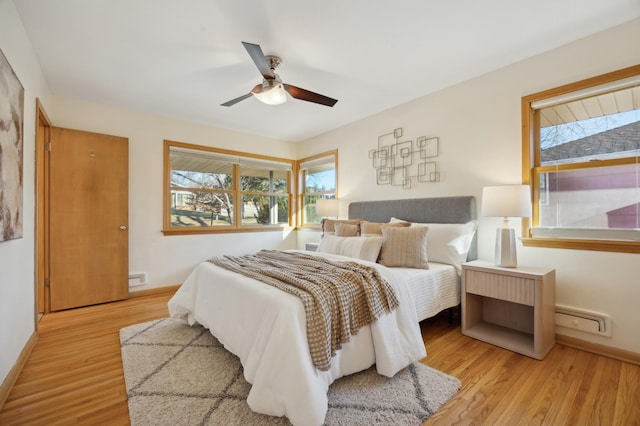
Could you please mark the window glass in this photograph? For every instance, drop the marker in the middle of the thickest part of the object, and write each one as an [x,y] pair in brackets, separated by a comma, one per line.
[594,197]
[263,187]
[264,180]
[194,208]
[593,128]
[319,179]
[264,210]
[213,190]
[582,134]
[192,171]
[585,142]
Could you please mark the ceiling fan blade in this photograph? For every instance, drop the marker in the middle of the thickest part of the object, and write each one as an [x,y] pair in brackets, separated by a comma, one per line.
[256,89]
[256,54]
[307,95]
[236,100]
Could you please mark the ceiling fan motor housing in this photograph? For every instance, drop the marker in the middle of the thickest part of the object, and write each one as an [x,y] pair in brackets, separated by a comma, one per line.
[273,61]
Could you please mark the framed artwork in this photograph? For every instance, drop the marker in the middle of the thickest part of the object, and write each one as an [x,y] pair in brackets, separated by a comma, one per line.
[11,151]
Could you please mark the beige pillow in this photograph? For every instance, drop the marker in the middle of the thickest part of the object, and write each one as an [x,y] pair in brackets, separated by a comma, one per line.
[328,225]
[448,242]
[368,229]
[405,247]
[361,248]
[346,230]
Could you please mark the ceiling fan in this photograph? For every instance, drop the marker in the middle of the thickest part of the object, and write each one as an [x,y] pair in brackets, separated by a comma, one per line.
[273,91]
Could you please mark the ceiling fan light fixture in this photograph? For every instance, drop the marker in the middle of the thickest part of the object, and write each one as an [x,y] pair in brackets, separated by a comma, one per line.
[272,91]
[272,95]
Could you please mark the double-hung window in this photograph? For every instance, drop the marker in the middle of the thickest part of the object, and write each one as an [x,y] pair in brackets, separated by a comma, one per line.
[318,178]
[214,190]
[581,154]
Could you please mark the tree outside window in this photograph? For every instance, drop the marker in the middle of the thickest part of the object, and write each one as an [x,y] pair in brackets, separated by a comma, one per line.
[318,179]
[219,190]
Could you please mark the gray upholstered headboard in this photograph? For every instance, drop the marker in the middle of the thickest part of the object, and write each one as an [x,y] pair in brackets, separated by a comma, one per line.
[423,210]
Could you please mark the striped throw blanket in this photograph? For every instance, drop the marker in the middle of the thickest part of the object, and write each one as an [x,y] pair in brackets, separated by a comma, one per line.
[338,297]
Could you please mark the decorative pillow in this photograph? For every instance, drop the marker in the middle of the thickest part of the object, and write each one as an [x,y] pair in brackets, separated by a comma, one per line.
[448,242]
[368,229]
[328,225]
[360,248]
[346,230]
[406,247]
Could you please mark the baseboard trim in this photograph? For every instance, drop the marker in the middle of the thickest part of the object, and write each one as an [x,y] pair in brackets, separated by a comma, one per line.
[608,351]
[10,380]
[157,290]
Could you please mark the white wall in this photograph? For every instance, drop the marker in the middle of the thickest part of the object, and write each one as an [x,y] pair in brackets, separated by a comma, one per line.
[17,256]
[479,126]
[167,260]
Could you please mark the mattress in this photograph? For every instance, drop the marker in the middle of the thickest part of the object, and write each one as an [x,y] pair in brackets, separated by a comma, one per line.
[433,289]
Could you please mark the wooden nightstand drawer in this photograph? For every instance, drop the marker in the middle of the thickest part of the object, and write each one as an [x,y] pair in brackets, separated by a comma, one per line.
[503,287]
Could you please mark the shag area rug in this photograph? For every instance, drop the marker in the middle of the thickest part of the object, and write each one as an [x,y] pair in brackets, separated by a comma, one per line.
[181,375]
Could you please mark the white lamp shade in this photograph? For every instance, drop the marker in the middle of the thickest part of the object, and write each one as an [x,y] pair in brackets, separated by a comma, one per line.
[327,207]
[506,201]
[274,95]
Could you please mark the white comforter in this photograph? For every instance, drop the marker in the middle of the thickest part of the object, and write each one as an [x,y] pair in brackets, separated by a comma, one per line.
[266,328]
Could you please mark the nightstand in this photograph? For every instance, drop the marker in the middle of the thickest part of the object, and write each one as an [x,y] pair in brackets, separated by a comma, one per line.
[513,308]
[311,246]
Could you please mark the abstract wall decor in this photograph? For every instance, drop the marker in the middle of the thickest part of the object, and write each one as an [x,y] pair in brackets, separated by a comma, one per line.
[400,162]
[11,151]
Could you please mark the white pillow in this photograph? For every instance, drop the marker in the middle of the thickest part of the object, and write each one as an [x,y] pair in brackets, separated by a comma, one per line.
[448,242]
[365,248]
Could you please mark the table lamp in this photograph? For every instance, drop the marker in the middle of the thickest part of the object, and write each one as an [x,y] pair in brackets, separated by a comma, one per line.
[327,207]
[506,201]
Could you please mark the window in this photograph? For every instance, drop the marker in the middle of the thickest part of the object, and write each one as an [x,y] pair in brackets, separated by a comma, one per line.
[581,154]
[213,190]
[318,178]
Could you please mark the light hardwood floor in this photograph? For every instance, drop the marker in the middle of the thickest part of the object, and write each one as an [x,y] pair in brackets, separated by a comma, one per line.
[74,376]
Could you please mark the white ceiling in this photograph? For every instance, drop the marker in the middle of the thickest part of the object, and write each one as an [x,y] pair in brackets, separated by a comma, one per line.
[184,58]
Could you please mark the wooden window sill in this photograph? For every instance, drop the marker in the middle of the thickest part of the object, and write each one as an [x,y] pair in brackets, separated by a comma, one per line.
[230,230]
[583,244]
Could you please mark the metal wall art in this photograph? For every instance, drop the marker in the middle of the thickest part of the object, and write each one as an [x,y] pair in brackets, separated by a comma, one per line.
[401,162]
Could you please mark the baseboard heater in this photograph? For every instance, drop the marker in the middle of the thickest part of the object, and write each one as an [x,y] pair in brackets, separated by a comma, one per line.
[587,321]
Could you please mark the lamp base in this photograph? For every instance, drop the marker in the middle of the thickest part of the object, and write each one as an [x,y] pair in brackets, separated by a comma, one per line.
[505,255]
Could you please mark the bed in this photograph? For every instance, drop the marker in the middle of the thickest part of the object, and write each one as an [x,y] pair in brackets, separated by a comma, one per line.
[266,327]
[447,217]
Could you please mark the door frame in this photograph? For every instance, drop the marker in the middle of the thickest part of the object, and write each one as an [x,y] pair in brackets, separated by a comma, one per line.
[43,138]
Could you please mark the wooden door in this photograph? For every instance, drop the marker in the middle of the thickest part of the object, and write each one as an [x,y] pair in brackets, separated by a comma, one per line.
[88,218]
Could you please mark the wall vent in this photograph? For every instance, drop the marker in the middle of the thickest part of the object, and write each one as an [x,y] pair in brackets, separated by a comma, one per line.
[137,278]
[583,320]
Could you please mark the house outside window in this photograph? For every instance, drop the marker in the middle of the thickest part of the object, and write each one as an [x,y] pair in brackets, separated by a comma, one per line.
[581,154]
[214,190]
[318,178]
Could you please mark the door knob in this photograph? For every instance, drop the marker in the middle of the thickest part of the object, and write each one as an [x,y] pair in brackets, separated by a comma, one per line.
[123,227]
